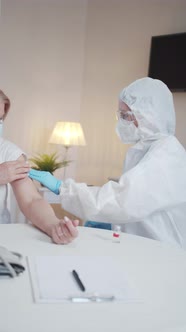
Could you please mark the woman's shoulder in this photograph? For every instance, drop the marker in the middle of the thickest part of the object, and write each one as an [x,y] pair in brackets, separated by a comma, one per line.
[9,151]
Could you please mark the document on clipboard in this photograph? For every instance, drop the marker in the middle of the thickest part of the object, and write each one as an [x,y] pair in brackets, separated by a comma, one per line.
[102,277]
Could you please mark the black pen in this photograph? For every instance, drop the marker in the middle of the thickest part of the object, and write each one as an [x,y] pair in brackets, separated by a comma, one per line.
[78,280]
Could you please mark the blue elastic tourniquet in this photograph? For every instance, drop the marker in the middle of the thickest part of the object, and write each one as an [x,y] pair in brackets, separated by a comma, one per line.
[96,224]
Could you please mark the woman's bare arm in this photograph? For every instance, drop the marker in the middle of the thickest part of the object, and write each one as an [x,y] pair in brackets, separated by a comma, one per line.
[40,213]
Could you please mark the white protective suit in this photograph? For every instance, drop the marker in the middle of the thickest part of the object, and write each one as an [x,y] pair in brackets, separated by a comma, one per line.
[8,152]
[150,198]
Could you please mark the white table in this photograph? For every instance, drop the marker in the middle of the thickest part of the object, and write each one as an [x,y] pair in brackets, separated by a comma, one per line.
[159,273]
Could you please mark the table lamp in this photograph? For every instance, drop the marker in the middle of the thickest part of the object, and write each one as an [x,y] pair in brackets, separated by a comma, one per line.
[67,134]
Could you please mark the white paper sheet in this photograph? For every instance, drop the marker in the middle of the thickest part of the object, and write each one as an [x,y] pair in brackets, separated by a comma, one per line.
[103,276]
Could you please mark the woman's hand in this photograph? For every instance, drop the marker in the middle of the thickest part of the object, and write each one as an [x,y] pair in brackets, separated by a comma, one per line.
[65,231]
[13,170]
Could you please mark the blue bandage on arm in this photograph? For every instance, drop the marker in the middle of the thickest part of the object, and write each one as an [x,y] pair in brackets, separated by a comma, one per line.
[46,179]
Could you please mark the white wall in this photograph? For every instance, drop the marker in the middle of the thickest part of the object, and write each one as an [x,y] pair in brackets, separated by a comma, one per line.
[117,52]
[68,60]
[42,59]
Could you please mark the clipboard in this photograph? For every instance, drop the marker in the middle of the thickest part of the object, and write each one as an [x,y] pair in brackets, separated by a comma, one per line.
[103,276]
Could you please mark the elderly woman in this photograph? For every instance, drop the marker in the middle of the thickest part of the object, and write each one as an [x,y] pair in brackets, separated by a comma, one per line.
[14,170]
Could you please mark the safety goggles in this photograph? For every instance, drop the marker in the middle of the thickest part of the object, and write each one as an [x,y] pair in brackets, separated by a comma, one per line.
[127,116]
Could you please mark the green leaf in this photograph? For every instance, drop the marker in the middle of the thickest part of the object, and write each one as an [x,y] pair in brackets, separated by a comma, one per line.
[48,162]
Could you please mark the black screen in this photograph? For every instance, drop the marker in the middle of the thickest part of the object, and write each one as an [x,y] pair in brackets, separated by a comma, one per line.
[168,60]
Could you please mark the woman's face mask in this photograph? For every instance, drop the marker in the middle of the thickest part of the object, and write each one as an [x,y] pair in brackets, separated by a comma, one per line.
[1,127]
[2,114]
[127,131]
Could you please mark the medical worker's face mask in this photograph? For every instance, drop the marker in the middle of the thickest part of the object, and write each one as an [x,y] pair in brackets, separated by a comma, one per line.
[1,127]
[127,131]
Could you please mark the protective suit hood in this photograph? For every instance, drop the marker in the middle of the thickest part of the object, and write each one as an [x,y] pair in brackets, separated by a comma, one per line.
[152,104]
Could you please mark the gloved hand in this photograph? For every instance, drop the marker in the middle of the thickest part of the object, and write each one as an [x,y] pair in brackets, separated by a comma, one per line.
[47,179]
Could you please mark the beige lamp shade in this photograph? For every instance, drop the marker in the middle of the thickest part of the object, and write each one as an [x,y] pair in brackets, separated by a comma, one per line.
[68,134]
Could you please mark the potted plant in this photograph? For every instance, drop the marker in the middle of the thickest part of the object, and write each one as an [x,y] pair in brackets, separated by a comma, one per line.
[48,162]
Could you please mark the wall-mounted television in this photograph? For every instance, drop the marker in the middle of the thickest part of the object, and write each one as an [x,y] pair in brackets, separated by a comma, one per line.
[168,60]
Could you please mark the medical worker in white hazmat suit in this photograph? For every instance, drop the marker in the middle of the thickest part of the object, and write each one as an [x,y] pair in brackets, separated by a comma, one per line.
[150,198]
